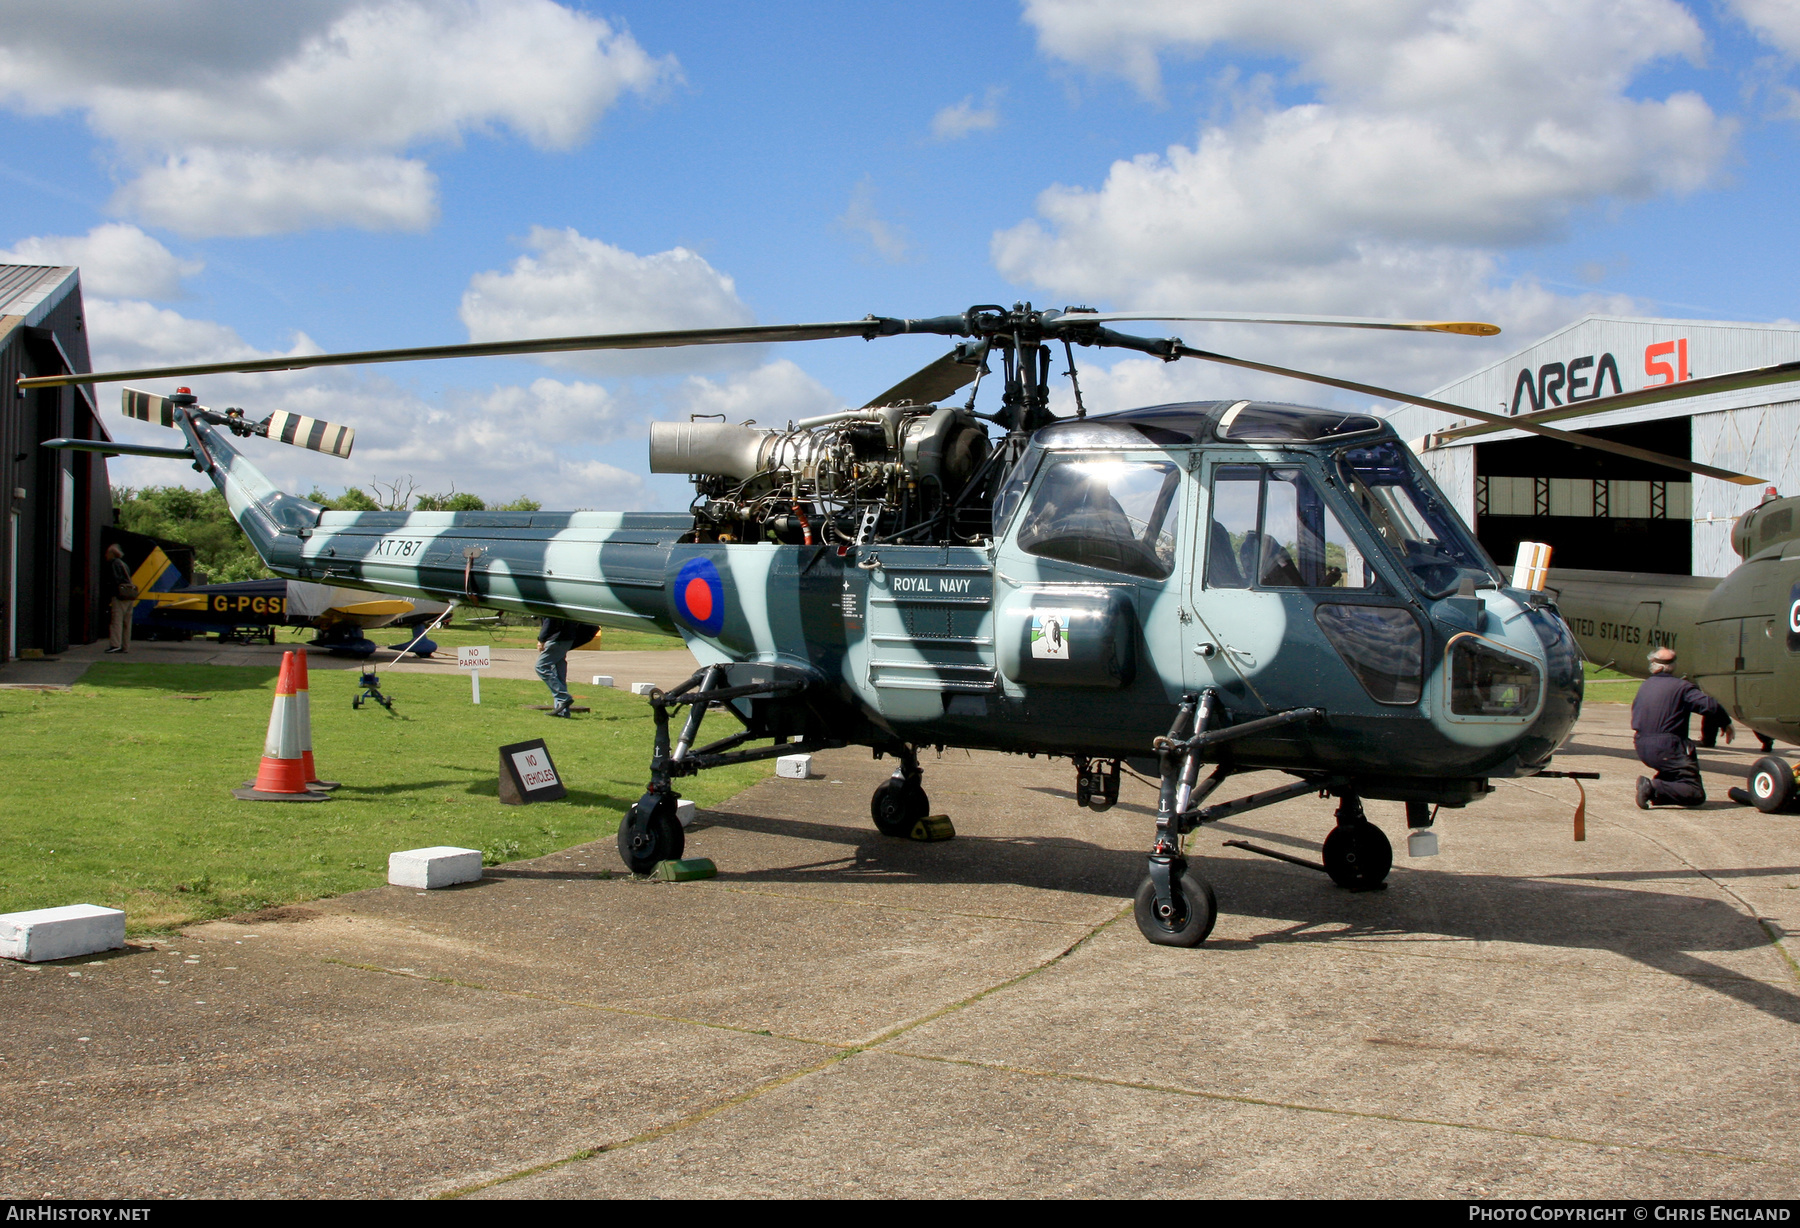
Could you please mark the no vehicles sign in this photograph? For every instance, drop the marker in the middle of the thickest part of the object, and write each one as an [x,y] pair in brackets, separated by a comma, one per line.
[528,775]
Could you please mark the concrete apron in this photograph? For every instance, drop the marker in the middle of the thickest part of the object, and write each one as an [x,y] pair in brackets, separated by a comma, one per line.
[843,1014]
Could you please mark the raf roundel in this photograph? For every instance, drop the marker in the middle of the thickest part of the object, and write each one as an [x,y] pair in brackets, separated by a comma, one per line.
[700,596]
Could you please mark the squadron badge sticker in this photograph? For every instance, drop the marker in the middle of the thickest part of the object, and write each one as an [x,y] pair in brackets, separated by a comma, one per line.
[1050,634]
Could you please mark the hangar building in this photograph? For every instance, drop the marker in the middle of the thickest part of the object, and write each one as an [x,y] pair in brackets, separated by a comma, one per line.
[52,590]
[1610,513]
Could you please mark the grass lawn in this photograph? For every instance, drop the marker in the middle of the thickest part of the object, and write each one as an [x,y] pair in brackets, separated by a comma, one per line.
[1608,686]
[117,792]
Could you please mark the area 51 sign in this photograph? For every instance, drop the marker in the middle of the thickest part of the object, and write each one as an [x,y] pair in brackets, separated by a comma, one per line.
[1584,379]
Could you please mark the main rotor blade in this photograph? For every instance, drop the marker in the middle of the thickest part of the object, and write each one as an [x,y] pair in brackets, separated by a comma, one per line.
[1731,381]
[740,335]
[1467,328]
[1388,394]
[928,384]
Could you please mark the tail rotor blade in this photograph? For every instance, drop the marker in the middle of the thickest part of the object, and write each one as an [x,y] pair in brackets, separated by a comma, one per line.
[148,407]
[314,433]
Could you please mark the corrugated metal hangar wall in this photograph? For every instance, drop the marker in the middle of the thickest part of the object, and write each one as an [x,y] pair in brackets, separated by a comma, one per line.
[1607,512]
[51,577]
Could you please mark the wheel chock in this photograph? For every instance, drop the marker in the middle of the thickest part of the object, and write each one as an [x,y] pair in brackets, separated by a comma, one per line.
[685,871]
[931,828]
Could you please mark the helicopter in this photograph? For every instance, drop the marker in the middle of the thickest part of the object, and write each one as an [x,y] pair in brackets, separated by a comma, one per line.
[1230,584]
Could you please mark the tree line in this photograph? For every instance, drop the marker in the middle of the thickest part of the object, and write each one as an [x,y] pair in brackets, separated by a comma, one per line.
[222,554]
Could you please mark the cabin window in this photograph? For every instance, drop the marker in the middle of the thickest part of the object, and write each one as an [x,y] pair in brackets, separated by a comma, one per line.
[1271,528]
[1104,511]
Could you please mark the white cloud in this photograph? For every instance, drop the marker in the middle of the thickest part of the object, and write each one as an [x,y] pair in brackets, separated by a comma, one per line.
[546,440]
[569,285]
[335,92]
[116,261]
[888,240]
[774,394]
[207,192]
[1481,124]
[1777,22]
[1438,134]
[960,119]
[126,333]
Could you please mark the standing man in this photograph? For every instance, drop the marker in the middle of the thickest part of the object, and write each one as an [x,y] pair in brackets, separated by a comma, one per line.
[555,638]
[124,599]
[1659,715]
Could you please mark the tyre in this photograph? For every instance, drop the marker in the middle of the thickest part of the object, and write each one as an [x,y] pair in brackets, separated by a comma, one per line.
[1196,910]
[896,806]
[1771,784]
[1358,855]
[650,833]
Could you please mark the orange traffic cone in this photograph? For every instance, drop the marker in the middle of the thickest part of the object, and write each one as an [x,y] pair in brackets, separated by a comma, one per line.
[282,776]
[303,698]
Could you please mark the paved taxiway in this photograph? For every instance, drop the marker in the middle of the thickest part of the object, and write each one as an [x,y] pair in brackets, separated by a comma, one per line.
[840,1014]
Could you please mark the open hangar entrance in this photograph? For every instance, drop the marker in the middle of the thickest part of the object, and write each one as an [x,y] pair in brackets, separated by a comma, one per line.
[1599,511]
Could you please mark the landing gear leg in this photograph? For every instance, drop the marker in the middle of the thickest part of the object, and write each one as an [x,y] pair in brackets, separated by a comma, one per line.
[1357,854]
[1175,906]
[900,802]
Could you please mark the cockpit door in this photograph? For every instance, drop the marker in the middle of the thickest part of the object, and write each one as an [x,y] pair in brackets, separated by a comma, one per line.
[1289,608]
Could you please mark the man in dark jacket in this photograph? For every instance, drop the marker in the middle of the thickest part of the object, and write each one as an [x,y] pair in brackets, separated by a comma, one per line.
[555,637]
[124,599]
[1659,715]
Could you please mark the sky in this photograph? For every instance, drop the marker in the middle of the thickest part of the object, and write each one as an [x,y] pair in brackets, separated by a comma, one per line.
[248,180]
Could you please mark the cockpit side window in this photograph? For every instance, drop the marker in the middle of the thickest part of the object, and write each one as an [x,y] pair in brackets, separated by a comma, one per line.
[1111,511]
[1271,528]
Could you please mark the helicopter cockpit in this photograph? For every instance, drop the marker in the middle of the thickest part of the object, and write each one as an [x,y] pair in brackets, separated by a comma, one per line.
[1098,499]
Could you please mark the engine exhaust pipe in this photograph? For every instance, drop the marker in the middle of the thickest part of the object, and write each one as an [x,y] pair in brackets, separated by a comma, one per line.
[706,447]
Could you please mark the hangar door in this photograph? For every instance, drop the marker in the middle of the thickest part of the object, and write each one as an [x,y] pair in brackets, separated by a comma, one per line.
[1601,512]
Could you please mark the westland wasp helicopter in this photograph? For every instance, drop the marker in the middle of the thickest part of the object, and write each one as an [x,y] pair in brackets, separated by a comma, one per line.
[1229,583]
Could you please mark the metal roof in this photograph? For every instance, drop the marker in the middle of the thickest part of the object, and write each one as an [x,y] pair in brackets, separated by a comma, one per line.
[34,290]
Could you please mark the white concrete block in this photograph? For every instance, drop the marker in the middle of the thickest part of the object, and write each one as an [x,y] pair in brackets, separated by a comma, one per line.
[603,680]
[685,811]
[642,688]
[794,767]
[438,866]
[60,933]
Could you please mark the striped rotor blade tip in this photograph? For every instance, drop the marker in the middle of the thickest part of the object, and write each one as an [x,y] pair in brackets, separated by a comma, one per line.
[148,407]
[314,433]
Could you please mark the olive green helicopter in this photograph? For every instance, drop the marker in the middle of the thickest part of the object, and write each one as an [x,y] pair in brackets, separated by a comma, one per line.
[1229,584]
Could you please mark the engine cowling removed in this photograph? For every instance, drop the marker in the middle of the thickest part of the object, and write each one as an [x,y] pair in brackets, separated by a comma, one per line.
[856,476]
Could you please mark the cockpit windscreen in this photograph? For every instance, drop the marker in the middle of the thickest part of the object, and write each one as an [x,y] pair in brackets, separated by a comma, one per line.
[1411,519]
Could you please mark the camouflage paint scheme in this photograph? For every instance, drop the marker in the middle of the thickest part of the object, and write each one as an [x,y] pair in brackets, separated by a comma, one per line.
[927,644]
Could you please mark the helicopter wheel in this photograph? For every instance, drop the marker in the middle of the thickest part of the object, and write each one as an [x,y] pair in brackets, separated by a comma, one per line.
[1191,919]
[1358,855]
[650,833]
[897,805]
[1771,784]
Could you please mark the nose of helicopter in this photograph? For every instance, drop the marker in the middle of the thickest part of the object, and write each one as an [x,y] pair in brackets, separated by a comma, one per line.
[1562,690]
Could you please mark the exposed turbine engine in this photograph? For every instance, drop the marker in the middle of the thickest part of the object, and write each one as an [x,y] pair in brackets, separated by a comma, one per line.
[856,476]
